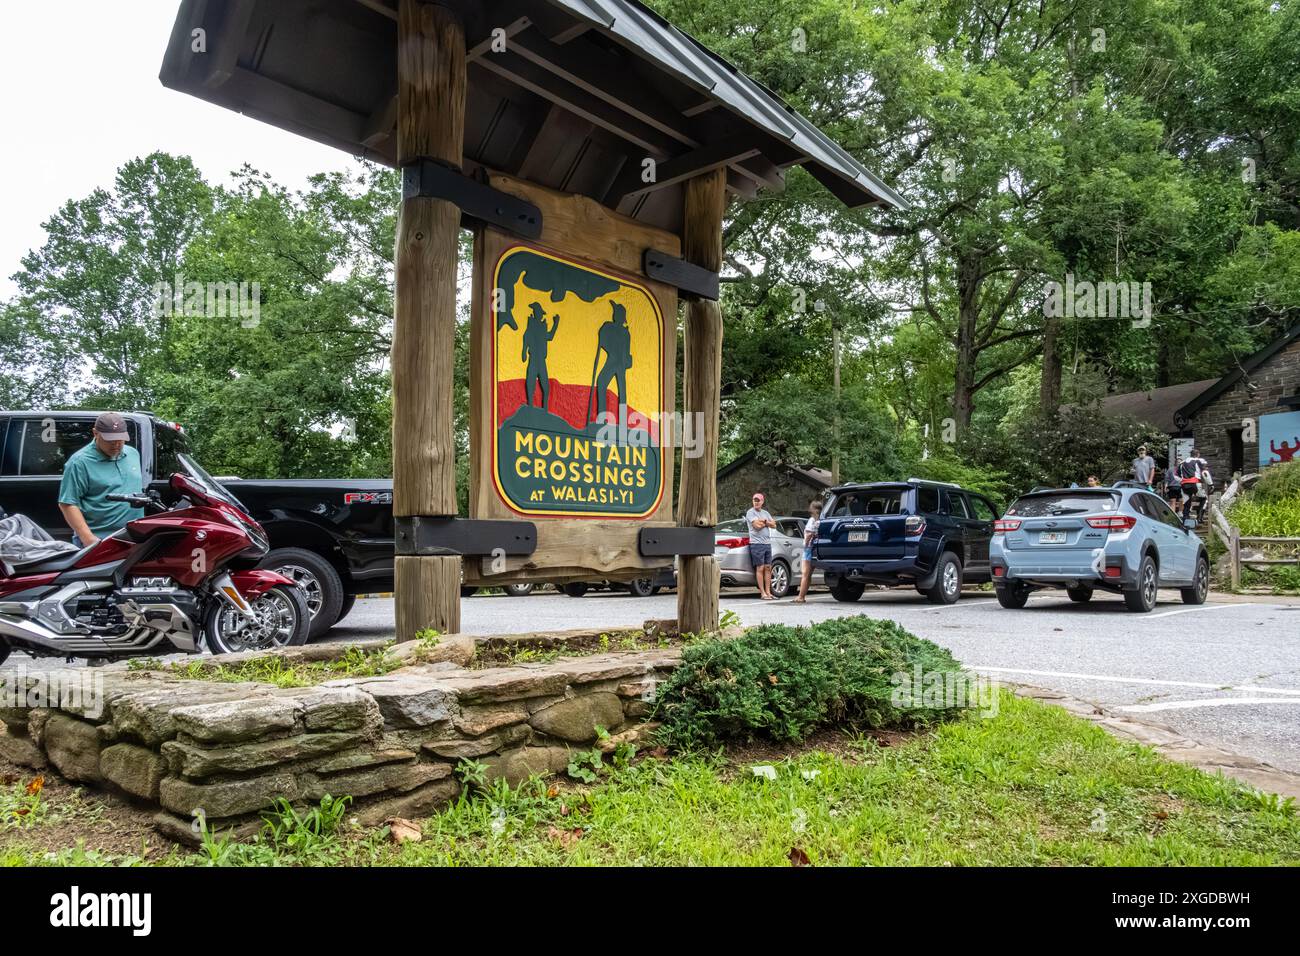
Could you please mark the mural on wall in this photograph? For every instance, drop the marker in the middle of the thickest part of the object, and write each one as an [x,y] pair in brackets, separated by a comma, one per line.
[577,389]
[1279,438]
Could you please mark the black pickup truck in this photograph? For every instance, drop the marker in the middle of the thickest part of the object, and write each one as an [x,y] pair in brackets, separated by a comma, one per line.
[334,537]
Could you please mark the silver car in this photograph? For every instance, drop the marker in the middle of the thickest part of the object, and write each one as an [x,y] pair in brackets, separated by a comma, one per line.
[731,548]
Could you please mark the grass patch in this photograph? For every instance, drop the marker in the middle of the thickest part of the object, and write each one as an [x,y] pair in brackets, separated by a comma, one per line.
[1032,785]
[282,672]
[506,653]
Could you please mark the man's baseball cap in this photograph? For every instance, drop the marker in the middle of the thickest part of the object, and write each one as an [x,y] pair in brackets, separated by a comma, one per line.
[112,427]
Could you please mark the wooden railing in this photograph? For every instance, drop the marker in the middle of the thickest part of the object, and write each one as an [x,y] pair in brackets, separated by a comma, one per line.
[1231,537]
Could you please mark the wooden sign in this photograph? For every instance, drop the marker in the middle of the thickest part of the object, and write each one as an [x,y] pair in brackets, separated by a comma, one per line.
[572,384]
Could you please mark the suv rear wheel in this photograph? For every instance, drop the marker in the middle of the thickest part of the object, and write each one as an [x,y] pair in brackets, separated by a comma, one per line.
[1013,596]
[574,589]
[1143,597]
[1200,588]
[846,591]
[1081,595]
[947,580]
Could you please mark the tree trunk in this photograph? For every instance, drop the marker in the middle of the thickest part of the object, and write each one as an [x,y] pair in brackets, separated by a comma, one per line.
[963,392]
[1049,386]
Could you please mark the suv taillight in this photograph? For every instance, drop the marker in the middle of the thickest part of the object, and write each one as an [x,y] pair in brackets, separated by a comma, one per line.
[733,543]
[1003,525]
[914,525]
[1113,522]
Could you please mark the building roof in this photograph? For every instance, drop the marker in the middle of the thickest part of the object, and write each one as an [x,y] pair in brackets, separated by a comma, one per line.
[1158,406]
[584,91]
[1242,370]
[811,475]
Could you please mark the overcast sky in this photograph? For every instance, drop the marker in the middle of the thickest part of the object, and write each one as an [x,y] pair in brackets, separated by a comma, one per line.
[80,94]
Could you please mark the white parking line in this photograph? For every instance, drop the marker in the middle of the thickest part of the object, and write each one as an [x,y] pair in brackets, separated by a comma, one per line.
[1212,702]
[1112,679]
[1207,607]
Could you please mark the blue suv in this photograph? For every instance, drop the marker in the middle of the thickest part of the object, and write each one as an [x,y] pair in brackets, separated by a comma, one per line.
[930,535]
[1121,539]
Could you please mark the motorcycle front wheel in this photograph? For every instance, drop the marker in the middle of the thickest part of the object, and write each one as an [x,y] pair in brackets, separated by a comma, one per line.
[283,619]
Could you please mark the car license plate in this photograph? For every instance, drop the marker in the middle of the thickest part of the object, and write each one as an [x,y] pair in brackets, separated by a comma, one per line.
[855,536]
[1051,537]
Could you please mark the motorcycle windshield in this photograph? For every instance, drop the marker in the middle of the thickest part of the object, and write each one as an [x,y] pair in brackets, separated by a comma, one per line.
[196,472]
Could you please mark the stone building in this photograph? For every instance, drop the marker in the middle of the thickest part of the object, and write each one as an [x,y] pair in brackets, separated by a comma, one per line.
[789,488]
[1250,418]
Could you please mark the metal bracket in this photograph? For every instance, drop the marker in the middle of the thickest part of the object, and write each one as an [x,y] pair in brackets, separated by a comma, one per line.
[477,201]
[426,535]
[667,542]
[687,277]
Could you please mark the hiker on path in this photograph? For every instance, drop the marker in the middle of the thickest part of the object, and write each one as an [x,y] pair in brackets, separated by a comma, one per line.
[1189,477]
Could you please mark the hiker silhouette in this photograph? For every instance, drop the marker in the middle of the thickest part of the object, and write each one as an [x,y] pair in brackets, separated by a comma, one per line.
[537,338]
[615,341]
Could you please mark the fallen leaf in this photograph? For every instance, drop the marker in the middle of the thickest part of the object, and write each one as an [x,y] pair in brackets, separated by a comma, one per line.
[401,830]
[566,838]
[771,678]
[36,786]
[552,793]
[22,811]
[799,858]
[1162,815]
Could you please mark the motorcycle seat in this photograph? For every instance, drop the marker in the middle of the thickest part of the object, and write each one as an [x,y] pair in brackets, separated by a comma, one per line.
[60,562]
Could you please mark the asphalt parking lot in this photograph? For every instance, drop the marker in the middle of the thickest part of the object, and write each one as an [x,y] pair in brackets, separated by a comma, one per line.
[1226,673]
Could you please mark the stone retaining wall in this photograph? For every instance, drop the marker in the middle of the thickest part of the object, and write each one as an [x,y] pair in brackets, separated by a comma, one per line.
[390,742]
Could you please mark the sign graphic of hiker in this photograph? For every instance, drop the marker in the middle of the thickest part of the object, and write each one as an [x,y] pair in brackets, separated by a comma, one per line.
[615,341]
[536,341]
[1279,438]
[577,363]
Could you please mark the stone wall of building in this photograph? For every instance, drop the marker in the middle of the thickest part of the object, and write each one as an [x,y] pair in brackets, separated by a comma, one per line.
[786,494]
[1212,426]
[227,751]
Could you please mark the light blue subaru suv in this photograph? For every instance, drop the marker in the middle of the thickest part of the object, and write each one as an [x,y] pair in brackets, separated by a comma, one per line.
[1121,539]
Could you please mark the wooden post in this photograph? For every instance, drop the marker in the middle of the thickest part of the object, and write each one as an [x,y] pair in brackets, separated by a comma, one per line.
[430,124]
[698,577]
[1234,547]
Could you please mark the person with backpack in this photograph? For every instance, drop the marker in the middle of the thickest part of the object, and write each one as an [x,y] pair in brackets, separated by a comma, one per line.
[1189,478]
[1173,485]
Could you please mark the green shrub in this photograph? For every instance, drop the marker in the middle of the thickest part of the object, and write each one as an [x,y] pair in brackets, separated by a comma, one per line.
[784,682]
[1278,483]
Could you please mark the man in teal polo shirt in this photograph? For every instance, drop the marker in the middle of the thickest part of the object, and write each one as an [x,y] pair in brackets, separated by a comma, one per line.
[104,467]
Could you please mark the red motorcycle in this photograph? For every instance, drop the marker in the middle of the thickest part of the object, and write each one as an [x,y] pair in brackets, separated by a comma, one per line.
[178,579]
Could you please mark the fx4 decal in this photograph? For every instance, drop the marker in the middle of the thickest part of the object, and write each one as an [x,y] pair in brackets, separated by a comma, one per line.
[368,498]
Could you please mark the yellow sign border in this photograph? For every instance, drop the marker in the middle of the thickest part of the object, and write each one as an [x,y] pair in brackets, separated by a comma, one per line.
[496,417]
